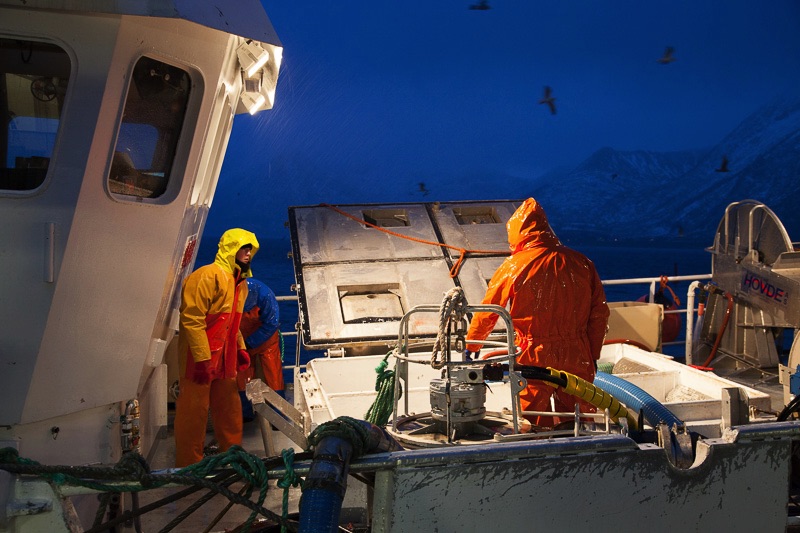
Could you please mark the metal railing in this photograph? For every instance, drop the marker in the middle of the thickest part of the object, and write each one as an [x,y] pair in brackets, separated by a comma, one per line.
[688,309]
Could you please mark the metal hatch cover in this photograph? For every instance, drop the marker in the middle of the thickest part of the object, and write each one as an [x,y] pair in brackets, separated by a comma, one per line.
[360,267]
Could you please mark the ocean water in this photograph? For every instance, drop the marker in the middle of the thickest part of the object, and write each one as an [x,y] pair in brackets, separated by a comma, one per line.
[624,262]
[273,265]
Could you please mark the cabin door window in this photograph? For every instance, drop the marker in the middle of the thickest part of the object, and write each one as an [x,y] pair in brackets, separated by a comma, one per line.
[33,83]
[155,109]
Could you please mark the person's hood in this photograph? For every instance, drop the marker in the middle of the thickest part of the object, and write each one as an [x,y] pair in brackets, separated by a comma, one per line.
[229,245]
[528,227]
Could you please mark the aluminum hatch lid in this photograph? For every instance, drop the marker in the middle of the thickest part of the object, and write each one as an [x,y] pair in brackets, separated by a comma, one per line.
[355,282]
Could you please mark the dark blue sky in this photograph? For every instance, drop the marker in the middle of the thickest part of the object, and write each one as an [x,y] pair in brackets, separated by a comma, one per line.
[377,96]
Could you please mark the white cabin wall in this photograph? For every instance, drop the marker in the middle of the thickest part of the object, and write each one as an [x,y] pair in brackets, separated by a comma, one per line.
[96,341]
[26,294]
[212,144]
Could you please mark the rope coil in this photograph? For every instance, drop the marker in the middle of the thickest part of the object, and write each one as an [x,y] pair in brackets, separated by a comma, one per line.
[381,409]
[664,280]
[344,427]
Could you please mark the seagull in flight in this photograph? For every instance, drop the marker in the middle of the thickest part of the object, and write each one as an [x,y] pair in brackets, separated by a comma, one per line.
[723,166]
[668,56]
[482,5]
[549,99]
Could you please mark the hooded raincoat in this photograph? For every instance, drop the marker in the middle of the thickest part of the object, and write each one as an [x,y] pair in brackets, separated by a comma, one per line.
[557,305]
[212,301]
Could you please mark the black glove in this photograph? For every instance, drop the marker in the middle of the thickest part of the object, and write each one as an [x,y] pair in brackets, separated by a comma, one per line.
[471,356]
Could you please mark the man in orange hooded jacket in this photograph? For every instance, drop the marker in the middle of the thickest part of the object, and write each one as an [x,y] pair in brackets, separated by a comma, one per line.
[211,349]
[557,304]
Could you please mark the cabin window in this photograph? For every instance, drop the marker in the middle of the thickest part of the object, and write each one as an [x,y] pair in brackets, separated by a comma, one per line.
[33,83]
[152,120]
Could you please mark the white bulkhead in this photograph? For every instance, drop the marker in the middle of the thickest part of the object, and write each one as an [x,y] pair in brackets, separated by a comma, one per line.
[116,121]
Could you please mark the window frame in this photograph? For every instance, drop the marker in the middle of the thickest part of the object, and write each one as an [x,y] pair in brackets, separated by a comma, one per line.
[65,96]
[183,142]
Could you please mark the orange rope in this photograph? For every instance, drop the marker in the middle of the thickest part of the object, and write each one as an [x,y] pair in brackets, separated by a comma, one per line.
[463,252]
[664,281]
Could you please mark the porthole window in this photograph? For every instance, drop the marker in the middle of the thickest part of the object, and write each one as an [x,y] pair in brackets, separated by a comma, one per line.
[148,136]
[33,84]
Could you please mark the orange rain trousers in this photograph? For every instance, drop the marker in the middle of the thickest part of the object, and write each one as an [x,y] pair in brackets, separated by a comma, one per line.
[536,397]
[268,356]
[221,396]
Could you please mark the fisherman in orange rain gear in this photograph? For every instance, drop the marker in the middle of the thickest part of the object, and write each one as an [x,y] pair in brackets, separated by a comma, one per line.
[259,327]
[211,349]
[557,305]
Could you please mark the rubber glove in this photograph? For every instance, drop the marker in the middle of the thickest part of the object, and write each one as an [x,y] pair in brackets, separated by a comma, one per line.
[471,356]
[242,360]
[202,372]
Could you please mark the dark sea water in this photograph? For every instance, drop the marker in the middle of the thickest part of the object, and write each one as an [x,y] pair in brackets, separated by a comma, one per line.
[273,265]
[623,262]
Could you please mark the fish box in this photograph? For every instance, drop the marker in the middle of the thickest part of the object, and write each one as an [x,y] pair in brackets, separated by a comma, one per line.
[694,396]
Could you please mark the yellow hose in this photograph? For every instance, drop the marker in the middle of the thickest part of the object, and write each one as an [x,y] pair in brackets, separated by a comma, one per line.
[582,389]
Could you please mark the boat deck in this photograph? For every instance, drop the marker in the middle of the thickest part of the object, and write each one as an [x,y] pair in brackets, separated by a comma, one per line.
[217,514]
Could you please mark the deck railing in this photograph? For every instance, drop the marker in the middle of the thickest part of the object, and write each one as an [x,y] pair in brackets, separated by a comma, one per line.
[687,308]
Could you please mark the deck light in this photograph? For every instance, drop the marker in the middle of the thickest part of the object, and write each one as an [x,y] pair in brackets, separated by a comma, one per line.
[252,57]
[253,101]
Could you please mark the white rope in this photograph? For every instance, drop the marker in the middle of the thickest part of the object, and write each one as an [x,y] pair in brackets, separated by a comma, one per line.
[453,309]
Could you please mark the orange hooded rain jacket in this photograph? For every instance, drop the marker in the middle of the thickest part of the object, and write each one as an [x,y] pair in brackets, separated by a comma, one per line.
[556,302]
[211,309]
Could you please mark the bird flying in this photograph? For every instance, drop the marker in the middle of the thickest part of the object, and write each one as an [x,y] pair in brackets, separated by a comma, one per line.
[482,5]
[668,56]
[549,99]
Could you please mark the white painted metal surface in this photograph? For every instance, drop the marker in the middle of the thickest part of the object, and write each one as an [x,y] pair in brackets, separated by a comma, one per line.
[356,281]
[333,387]
[608,483]
[692,395]
[246,19]
[90,276]
[346,387]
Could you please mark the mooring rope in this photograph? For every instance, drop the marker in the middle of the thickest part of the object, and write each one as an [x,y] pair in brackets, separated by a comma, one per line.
[381,409]
[344,427]
[290,479]
[133,468]
[452,310]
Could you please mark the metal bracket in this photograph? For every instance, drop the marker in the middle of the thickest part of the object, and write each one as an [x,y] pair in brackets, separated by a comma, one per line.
[274,410]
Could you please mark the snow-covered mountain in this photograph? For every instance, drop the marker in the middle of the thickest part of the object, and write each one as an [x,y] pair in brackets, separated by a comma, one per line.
[674,196]
[662,197]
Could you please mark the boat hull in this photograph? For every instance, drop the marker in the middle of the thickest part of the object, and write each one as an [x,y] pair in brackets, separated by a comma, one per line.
[606,483]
